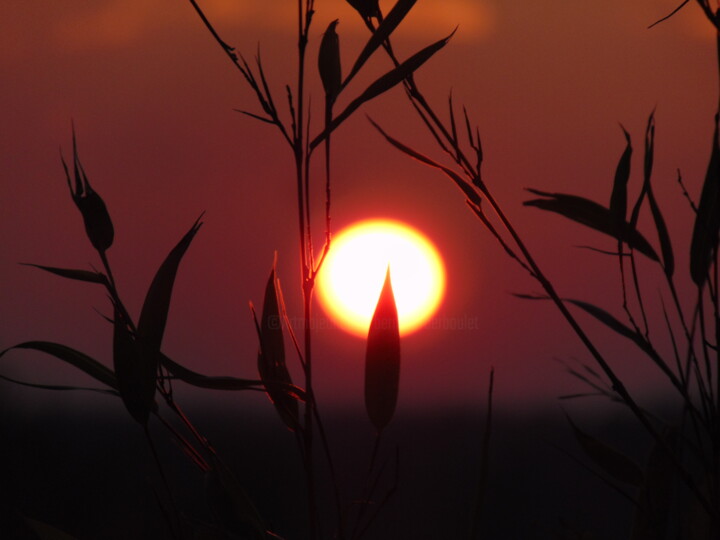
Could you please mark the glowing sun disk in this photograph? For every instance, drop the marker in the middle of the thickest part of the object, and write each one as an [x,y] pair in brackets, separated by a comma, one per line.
[351,278]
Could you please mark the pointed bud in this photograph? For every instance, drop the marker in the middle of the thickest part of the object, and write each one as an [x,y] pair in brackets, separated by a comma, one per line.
[382,361]
[98,225]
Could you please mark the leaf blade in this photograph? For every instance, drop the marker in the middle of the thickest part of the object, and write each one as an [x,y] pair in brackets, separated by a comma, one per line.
[75,358]
[382,359]
[153,316]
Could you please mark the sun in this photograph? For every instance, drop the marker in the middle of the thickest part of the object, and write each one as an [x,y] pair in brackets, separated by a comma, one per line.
[350,281]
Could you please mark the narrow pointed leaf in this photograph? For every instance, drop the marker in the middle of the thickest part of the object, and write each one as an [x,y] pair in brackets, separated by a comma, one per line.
[230,505]
[271,357]
[135,369]
[224,382]
[383,84]
[618,198]
[329,62]
[153,317]
[612,462]
[383,31]
[707,222]
[464,186]
[79,275]
[593,215]
[366,8]
[382,360]
[59,387]
[660,226]
[75,358]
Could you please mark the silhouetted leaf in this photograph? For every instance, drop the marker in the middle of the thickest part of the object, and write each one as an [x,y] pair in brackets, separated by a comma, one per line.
[618,198]
[329,62]
[383,84]
[271,357]
[225,383]
[464,186]
[617,465]
[382,360]
[153,317]
[383,31]
[230,505]
[135,369]
[593,215]
[707,223]
[662,230]
[79,275]
[59,387]
[366,8]
[75,358]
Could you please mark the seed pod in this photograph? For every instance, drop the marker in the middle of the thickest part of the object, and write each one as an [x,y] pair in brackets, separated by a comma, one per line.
[382,361]
[98,225]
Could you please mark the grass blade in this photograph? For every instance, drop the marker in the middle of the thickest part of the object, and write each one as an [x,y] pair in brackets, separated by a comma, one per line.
[383,84]
[271,357]
[135,369]
[707,222]
[78,275]
[153,317]
[384,30]
[618,198]
[593,215]
[382,360]
[75,358]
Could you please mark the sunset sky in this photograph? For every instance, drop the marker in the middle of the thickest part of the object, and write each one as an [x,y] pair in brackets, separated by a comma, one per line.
[152,98]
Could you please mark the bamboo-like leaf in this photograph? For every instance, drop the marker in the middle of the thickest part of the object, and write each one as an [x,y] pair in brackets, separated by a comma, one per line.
[601,315]
[464,186]
[382,361]
[383,84]
[618,198]
[136,370]
[612,462]
[384,30]
[79,275]
[329,62]
[660,226]
[707,223]
[60,387]
[593,215]
[75,358]
[153,317]
[223,382]
[271,357]
[230,504]
[366,8]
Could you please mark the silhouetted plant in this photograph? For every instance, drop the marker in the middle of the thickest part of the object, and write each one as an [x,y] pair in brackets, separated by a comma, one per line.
[689,450]
[143,376]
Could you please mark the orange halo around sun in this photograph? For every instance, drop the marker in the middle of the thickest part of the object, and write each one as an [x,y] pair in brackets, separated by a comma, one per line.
[352,275]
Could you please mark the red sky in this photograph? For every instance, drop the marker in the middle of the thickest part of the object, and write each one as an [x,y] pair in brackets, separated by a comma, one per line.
[152,98]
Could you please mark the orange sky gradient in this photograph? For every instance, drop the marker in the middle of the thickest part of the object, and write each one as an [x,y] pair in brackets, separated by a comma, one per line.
[153,99]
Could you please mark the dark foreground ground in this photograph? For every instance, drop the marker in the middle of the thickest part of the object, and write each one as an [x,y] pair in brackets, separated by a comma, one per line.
[92,474]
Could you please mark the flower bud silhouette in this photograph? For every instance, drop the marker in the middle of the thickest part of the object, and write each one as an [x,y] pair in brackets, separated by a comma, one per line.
[98,225]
